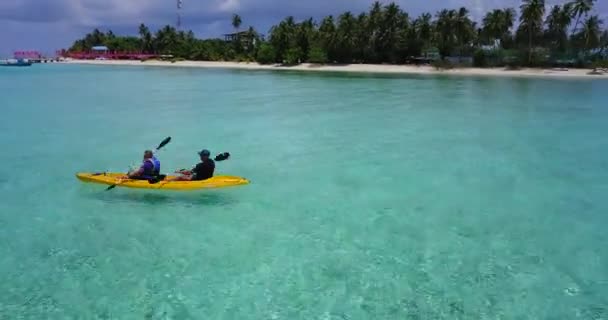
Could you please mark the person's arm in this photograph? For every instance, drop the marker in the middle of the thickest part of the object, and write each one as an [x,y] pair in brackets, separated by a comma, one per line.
[136,173]
[187,172]
[142,169]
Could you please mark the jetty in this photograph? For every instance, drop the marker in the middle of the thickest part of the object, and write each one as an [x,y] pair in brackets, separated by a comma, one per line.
[34,57]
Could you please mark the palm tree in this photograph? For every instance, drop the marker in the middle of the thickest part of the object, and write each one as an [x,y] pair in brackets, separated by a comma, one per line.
[98,37]
[236,22]
[422,33]
[552,20]
[282,37]
[465,28]
[604,42]
[391,23]
[327,37]
[237,43]
[374,30]
[145,38]
[361,38]
[166,39]
[580,8]
[592,32]
[254,36]
[492,25]
[497,25]
[532,12]
[558,21]
[305,37]
[143,30]
[346,36]
[426,28]
[509,17]
[445,31]
[401,43]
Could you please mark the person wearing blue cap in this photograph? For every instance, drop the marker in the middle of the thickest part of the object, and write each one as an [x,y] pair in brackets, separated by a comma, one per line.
[202,171]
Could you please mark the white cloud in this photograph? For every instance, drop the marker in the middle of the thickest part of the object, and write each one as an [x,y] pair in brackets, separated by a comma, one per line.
[229,5]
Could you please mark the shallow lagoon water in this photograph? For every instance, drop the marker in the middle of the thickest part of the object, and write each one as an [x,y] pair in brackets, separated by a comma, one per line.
[372,197]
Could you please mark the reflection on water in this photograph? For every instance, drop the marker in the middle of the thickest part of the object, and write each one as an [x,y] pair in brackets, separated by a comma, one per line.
[192,198]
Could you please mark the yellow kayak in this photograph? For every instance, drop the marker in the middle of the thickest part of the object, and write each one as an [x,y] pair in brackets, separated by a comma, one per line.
[109,178]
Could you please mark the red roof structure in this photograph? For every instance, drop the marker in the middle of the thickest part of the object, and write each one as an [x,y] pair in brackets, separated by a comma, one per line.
[110,55]
[27,55]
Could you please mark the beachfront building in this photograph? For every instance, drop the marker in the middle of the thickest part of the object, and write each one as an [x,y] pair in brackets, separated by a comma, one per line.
[428,55]
[230,37]
[100,52]
[100,49]
[247,38]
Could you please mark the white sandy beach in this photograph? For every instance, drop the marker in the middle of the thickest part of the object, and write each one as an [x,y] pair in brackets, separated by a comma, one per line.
[359,68]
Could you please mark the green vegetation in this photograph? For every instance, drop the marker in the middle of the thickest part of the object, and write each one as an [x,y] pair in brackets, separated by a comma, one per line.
[568,34]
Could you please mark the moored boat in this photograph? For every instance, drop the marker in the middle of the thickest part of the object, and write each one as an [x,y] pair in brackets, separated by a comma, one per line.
[15,63]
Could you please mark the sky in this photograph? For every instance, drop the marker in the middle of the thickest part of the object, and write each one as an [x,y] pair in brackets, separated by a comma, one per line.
[49,25]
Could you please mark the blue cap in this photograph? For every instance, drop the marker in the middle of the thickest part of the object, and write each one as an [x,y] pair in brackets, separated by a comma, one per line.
[204,152]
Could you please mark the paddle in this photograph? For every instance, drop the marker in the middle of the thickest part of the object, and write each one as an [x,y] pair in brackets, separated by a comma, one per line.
[162,144]
[222,156]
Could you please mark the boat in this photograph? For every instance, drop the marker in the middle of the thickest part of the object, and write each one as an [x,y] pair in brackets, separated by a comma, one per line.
[109,178]
[15,63]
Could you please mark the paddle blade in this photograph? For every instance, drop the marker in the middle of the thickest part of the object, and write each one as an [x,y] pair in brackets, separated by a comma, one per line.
[222,156]
[111,187]
[163,143]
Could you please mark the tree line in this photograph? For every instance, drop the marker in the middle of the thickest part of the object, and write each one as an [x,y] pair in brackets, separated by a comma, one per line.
[388,34]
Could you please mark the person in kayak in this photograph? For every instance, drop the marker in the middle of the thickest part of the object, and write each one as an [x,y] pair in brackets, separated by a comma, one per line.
[149,170]
[156,165]
[202,171]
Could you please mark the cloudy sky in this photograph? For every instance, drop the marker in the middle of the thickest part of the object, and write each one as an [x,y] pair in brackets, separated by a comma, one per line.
[47,25]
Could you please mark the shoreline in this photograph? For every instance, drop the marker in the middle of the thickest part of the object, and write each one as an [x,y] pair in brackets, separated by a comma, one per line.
[357,68]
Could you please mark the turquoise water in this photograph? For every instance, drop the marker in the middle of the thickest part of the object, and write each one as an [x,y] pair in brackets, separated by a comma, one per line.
[371,198]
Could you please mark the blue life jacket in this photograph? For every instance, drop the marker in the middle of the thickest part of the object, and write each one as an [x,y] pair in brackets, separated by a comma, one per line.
[149,173]
[156,163]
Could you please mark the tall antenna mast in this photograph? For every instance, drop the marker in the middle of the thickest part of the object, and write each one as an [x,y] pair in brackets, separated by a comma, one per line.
[179,15]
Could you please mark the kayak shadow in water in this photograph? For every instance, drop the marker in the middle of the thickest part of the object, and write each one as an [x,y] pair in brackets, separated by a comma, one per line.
[153,198]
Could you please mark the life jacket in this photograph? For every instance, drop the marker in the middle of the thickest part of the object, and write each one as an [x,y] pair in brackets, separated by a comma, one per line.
[156,163]
[149,174]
